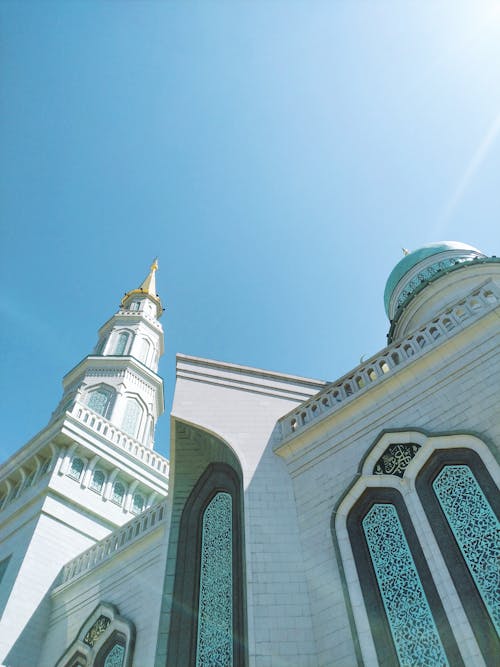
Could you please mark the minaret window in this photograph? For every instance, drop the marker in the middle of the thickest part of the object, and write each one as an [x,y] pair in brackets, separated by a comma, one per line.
[100,401]
[135,305]
[97,481]
[76,468]
[143,352]
[138,503]
[118,492]
[131,417]
[121,343]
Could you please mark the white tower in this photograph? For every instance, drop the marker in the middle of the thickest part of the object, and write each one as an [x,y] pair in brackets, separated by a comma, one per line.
[90,470]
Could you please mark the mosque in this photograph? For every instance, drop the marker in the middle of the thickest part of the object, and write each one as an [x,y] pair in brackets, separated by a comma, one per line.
[298,523]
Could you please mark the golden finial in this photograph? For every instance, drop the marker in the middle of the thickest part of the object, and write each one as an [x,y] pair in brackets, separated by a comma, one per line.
[154,265]
[405,251]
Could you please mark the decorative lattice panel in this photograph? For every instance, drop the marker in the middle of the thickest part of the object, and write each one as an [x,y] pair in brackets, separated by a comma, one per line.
[412,625]
[215,613]
[476,530]
[98,401]
[115,656]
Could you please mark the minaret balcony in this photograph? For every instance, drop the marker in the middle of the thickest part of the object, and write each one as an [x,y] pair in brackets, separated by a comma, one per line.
[100,425]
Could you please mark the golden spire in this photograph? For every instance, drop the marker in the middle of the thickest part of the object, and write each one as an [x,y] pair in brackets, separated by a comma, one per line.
[149,284]
[148,287]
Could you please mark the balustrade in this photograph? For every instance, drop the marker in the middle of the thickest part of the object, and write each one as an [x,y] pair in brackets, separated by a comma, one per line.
[116,541]
[100,425]
[395,356]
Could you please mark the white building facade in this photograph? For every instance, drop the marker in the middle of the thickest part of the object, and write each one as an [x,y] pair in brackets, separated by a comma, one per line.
[304,524]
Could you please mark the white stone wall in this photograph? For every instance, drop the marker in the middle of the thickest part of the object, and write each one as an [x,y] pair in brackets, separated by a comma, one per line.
[453,388]
[241,406]
[131,580]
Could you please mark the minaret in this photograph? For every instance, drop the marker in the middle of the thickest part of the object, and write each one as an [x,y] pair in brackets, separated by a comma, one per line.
[89,471]
[119,381]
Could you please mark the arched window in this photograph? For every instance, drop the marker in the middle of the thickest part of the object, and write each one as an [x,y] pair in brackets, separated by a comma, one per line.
[132,417]
[462,503]
[440,487]
[118,492]
[215,607]
[138,503]
[76,468]
[99,400]
[97,481]
[112,653]
[208,624]
[121,343]
[406,616]
[105,640]
[143,350]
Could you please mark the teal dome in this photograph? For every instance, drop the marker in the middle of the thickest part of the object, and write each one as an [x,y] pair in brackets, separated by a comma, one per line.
[445,253]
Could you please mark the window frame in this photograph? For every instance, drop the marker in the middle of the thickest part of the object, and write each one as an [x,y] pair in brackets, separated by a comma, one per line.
[472,602]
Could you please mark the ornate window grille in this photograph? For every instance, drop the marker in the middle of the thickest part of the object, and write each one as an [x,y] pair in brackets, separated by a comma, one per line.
[115,656]
[215,610]
[476,530]
[121,343]
[131,417]
[411,622]
[99,401]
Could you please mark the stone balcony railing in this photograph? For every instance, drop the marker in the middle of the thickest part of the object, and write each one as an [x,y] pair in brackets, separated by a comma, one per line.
[109,431]
[392,358]
[117,541]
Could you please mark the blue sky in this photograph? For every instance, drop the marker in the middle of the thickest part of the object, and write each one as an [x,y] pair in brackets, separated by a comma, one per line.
[276,156]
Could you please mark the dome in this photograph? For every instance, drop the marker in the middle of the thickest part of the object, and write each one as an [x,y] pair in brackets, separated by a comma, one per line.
[420,266]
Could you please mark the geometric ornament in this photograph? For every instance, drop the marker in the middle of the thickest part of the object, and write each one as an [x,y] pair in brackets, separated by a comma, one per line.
[215,608]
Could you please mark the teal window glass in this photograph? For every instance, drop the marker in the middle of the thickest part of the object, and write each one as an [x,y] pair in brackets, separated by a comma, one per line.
[121,343]
[215,610]
[76,468]
[115,656]
[476,530]
[131,417]
[412,625]
[138,503]
[99,401]
[118,493]
[97,481]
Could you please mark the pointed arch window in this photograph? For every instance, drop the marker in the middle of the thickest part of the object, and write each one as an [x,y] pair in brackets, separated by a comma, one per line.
[105,640]
[76,468]
[97,481]
[462,503]
[406,616]
[138,503]
[215,607]
[99,401]
[208,619]
[132,417]
[118,492]
[143,350]
[121,343]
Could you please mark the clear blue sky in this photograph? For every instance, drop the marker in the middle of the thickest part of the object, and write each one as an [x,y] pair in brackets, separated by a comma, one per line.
[276,156]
